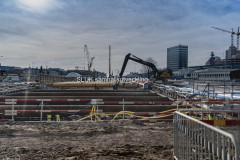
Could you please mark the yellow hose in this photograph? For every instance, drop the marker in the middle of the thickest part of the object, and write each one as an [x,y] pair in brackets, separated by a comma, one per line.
[93,114]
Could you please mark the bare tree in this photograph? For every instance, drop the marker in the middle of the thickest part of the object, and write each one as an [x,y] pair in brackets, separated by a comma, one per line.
[146,69]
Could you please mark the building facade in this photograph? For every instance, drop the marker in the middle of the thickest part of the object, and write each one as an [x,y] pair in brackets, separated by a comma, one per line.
[207,74]
[232,55]
[214,60]
[177,57]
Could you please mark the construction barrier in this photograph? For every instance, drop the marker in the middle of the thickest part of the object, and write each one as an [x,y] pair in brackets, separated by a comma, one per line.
[15,112]
[186,102]
[50,100]
[138,103]
[99,101]
[195,139]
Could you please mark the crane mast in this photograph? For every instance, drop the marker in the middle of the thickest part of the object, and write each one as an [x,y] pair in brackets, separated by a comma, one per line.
[90,63]
[89,60]
[232,33]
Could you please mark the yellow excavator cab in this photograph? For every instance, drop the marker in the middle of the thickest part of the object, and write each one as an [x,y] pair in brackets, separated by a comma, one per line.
[165,75]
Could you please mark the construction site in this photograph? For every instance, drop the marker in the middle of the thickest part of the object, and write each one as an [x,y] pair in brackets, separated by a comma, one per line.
[69,122]
[86,124]
[151,116]
[57,117]
[94,117]
[123,79]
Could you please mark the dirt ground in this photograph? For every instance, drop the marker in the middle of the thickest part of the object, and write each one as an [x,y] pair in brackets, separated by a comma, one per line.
[85,140]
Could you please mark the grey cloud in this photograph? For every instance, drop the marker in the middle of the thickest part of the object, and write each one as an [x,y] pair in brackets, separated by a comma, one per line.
[144,28]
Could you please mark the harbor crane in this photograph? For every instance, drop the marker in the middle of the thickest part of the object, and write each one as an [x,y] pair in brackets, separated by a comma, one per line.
[89,60]
[232,33]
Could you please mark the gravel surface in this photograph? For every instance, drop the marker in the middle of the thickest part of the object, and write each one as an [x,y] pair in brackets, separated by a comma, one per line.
[85,140]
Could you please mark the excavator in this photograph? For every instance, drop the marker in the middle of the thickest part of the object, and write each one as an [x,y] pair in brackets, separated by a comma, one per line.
[157,75]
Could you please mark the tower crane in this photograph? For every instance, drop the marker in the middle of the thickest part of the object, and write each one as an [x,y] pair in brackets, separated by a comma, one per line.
[232,33]
[89,60]
[90,63]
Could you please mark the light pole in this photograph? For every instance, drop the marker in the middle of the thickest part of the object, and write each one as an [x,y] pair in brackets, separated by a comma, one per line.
[1,74]
[0,62]
[225,75]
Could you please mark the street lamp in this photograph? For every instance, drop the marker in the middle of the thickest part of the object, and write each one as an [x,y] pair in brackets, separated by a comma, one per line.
[0,57]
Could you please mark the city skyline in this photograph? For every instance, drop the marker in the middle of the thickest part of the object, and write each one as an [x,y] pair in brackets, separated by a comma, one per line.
[53,32]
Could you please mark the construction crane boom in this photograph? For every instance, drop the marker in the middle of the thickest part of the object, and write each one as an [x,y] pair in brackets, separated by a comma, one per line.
[232,33]
[224,30]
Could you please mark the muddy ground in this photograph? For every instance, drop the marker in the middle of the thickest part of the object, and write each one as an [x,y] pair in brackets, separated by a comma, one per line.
[85,140]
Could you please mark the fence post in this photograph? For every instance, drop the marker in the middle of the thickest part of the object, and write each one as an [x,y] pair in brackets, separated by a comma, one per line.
[41,111]
[207,141]
[97,110]
[123,110]
[12,109]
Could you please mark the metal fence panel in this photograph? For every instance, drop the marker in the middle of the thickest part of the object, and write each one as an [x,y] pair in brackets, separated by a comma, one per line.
[195,140]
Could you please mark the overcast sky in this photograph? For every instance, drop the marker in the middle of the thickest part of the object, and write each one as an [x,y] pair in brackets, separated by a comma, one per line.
[53,32]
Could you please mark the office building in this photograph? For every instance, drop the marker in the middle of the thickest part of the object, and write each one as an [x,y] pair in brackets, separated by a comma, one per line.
[177,57]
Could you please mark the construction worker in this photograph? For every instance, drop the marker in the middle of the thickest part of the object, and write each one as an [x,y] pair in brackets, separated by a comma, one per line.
[57,117]
[210,117]
[49,117]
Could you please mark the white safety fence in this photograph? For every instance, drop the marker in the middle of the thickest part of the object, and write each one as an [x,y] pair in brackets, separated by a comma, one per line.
[14,112]
[194,139]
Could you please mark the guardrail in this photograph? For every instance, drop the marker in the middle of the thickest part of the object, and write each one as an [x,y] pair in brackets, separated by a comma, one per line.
[194,139]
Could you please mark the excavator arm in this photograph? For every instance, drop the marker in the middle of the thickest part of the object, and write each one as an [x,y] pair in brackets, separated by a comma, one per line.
[138,60]
[129,56]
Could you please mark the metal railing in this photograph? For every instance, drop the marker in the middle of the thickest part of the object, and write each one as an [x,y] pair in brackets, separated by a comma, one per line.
[194,139]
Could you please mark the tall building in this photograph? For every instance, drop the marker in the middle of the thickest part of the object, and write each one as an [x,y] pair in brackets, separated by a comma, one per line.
[177,57]
[232,55]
